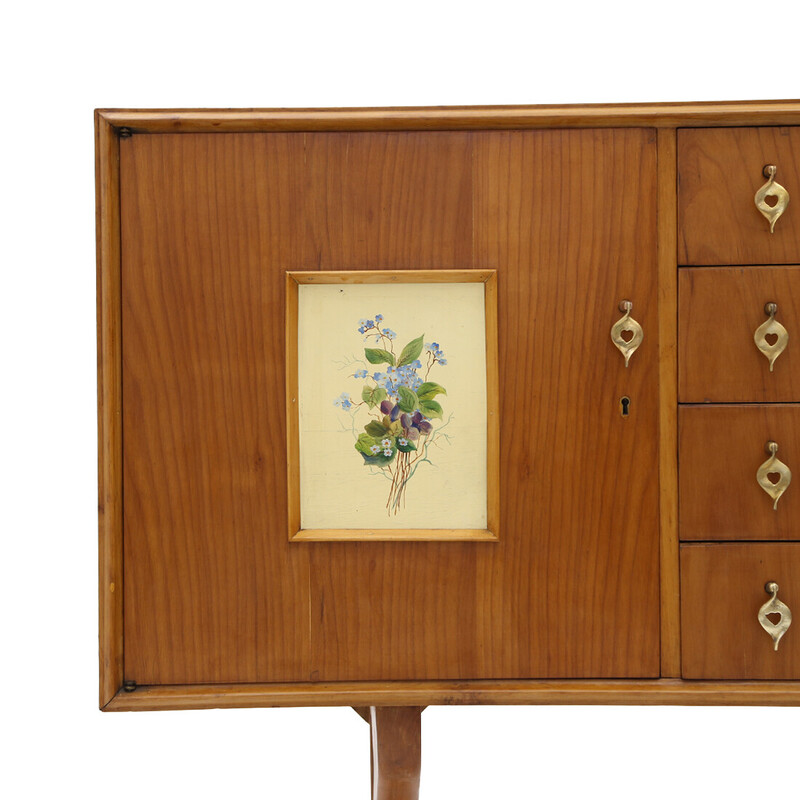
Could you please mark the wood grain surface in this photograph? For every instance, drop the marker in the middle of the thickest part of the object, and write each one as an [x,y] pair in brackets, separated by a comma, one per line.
[722,591]
[615,115]
[720,310]
[649,692]
[721,448]
[396,750]
[214,593]
[668,404]
[109,402]
[719,172]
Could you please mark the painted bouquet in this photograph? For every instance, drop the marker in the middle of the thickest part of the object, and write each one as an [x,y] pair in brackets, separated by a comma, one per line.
[404,416]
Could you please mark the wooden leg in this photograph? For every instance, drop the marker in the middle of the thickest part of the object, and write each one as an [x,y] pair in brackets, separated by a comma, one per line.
[396,752]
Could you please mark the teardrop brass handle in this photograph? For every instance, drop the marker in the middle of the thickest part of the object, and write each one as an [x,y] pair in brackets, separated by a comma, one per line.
[771,328]
[771,189]
[627,324]
[773,465]
[774,606]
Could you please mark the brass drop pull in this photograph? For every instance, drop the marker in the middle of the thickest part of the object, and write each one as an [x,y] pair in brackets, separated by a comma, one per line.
[774,606]
[772,329]
[627,344]
[771,189]
[774,466]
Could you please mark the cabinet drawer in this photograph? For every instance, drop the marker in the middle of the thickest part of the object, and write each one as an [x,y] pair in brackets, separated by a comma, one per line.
[720,451]
[719,172]
[722,590]
[720,310]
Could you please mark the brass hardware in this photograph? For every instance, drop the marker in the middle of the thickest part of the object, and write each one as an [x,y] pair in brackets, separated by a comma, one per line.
[774,606]
[771,328]
[627,324]
[774,465]
[771,189]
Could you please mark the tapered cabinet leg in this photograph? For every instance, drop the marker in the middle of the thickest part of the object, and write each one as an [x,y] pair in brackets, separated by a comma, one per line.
[396,752]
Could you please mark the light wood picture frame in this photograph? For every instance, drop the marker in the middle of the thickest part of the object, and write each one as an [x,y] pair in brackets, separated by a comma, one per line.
[409,368]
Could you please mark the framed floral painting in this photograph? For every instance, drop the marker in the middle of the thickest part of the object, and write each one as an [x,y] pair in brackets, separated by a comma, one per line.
[391,395]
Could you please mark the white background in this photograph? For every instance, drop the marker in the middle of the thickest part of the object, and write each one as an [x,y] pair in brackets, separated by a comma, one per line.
[59,61]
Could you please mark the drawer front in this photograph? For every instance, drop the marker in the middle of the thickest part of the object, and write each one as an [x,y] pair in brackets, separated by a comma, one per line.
[722,591]
[720,451]
[719,172]
[720,310]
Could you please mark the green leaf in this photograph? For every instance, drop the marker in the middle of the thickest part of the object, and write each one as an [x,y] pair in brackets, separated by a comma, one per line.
[411,351]
[407,399]
[364,446]
[429,390]
[430,408]
[407,447]
[364,443]
[380,460]
[374,429]
[372,395]
[376,356]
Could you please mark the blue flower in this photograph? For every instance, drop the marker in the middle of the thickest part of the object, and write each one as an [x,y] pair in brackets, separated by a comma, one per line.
[344,401]
[443,362]
[378,317]
[416,364]
[378,376]
[389,333]
[360,373]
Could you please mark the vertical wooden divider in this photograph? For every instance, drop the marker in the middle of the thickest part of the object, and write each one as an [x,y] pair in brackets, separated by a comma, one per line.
[668,402]
[109,406]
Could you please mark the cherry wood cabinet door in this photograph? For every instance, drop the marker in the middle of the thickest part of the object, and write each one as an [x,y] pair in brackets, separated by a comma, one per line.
[214,592]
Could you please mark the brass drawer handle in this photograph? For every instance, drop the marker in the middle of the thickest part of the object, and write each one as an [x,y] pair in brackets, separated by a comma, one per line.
[771,189]
[773,465]
[774,606]
[627,324]
[771,328]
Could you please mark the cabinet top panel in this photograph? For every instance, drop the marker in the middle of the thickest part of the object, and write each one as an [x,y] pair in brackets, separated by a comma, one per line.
[666,115]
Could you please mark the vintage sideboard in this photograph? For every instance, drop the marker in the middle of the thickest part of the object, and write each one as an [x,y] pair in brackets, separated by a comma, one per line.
[645,542]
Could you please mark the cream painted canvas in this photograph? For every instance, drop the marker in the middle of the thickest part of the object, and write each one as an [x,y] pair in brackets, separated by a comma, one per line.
[392,406]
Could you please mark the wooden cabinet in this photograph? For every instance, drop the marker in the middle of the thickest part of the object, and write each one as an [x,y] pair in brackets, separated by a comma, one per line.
[602,228]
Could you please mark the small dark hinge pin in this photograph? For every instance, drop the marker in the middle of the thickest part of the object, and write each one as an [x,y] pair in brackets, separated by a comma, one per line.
[125,133]
[129,686]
